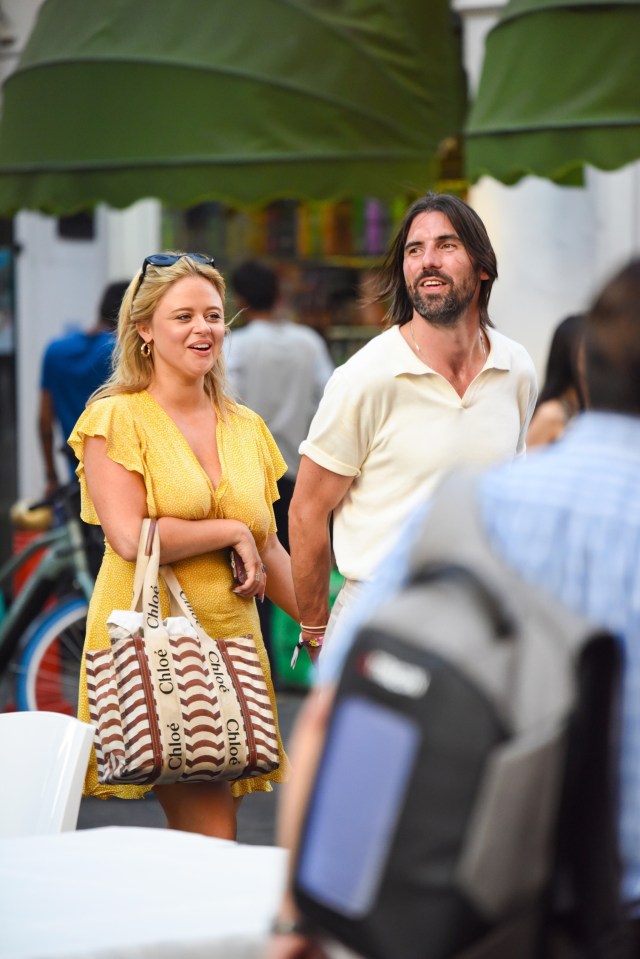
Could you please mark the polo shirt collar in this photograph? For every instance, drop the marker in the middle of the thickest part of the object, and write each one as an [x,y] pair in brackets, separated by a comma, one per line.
[500,354]
[403,359]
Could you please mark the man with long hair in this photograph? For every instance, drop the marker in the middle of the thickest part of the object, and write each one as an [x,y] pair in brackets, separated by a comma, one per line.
[439,387]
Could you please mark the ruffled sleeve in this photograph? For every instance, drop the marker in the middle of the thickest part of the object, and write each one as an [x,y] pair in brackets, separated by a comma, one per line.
[113,418]
[273,464]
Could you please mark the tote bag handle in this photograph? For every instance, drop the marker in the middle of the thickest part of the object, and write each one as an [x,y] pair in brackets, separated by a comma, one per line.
[146,596]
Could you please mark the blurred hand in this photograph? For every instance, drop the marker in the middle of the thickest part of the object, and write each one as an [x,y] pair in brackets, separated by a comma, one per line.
[294,947]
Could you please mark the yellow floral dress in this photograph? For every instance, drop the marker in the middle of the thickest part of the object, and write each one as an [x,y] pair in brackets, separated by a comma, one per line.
[143,438]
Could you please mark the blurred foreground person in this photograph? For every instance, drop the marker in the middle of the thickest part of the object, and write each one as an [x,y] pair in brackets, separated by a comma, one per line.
[561,397]
[440,387]
[568,520]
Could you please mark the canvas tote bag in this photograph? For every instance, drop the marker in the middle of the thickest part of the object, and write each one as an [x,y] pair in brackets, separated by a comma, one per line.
[170,703]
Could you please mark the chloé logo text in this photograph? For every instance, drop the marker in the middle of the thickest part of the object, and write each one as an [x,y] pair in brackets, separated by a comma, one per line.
[175,746]
[163,672]
[153,611]
[235,741]
[218,672]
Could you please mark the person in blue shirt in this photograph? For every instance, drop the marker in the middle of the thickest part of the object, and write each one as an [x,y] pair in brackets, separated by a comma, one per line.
[568,519]
[73,367]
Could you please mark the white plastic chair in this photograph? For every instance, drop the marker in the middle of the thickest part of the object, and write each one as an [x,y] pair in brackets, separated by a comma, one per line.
[44,759]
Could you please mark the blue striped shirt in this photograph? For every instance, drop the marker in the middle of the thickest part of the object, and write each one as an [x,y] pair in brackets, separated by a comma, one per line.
[567,518]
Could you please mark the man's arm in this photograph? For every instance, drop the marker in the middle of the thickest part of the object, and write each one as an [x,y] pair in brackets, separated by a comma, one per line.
[317,493]
[45,423]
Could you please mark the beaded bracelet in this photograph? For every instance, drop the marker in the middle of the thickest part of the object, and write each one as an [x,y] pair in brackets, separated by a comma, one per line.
[315,643]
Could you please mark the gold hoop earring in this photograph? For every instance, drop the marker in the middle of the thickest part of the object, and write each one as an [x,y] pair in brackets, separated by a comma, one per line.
[145,349]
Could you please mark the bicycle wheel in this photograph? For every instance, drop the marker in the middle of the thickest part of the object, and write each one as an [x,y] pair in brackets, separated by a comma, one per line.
[48,666]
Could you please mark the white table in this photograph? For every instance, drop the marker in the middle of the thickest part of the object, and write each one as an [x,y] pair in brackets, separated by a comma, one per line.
[136,893]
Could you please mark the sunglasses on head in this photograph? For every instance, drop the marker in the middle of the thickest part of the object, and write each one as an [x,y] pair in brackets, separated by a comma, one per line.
[168,259]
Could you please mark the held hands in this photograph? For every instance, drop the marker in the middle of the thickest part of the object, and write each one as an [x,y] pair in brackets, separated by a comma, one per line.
[249,572]
[311,638]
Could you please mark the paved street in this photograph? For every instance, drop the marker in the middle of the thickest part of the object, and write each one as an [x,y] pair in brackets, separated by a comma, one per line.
[256,819]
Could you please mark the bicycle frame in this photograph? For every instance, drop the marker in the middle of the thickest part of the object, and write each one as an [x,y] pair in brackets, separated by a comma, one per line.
[64,553]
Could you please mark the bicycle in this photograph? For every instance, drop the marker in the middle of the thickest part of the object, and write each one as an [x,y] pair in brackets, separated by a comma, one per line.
[43,629]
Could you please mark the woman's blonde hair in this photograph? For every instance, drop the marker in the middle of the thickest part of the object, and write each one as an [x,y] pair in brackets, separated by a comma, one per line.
[131,371]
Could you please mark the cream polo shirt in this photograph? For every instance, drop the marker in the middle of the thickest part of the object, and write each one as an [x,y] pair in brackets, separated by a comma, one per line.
[396,425]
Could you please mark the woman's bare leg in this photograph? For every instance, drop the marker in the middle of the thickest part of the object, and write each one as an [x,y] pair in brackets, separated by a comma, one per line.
[207,808]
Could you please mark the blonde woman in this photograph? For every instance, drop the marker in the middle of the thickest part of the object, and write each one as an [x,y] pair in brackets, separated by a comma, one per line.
[162,439]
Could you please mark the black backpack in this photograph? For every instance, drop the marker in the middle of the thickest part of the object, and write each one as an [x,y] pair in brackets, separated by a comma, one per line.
[464,804]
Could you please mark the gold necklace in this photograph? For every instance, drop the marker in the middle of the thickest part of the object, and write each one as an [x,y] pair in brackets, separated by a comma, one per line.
[413,339]
[418,350]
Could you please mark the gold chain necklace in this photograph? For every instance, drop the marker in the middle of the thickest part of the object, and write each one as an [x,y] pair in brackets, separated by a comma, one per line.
[413,339]
[418,350]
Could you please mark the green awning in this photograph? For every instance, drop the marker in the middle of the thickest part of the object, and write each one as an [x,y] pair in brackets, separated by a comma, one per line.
[560,88]
[242,102]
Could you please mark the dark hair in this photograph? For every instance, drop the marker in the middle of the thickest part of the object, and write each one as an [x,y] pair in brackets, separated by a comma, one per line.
[612,344]
[110,303]
[471,230]
[256,283]
[563,368]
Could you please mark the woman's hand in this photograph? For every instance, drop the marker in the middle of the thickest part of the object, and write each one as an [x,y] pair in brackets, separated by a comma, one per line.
[255,570]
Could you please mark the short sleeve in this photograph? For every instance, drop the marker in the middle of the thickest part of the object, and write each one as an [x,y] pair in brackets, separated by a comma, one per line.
[273,464]
[338,435]
[112,418]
